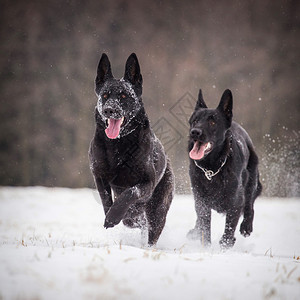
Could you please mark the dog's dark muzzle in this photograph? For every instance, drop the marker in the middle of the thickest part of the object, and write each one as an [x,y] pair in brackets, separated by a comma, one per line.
[112,110]
[196,134]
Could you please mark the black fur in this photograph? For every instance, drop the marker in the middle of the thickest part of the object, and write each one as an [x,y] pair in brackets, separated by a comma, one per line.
[129,161]
[230,154]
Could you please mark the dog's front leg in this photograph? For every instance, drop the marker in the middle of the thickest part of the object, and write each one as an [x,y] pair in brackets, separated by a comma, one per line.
[232,218]
[104,190]
[120,206]
[203,224]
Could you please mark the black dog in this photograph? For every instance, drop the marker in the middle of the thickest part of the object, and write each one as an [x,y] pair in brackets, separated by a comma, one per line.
[125,156]
[223,170]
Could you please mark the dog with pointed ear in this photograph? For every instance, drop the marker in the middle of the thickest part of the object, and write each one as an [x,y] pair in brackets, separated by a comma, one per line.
[103,72]
[200,102]
[119,100]
[133,74]
[225,106]
[131,170]
[223,170]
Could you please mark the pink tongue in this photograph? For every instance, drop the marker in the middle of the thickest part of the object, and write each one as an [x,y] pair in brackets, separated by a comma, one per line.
[113,129]
[196,152]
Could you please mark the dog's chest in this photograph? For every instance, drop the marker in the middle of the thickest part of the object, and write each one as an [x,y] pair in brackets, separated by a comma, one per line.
[125,164]
[217,193]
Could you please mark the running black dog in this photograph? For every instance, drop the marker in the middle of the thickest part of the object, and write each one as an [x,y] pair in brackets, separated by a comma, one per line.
[223,170]
[125,156]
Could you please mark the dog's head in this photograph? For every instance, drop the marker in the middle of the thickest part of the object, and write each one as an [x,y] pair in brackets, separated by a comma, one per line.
[119,100]
[208,127]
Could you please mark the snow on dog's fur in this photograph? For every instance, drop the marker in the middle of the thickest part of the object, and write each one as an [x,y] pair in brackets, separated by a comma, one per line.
[126,158]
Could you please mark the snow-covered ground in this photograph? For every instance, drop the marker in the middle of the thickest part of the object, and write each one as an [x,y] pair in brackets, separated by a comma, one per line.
[53,246]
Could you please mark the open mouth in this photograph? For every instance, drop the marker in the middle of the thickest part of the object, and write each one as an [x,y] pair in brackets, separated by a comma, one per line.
[113,127]
[200,150]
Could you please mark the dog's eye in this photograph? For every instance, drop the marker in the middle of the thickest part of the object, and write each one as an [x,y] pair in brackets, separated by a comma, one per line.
[123,96]
[212,122]
[105,96]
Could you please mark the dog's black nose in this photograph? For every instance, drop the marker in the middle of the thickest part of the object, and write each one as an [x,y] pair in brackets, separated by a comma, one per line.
[112,112]
[196,133]
[108,111]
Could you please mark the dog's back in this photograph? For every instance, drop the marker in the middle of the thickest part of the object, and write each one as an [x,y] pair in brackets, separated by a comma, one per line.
[246,147]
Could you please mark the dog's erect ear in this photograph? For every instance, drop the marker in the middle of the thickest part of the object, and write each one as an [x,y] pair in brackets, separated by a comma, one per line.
[200,102]
[103,71]
[225,105]
[133,72]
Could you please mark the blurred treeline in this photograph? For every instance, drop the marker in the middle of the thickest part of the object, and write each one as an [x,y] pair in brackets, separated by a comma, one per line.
[49,55]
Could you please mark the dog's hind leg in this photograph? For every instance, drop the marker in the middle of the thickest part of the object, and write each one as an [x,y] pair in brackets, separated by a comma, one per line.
[135,216]
[158,206]
[252,191]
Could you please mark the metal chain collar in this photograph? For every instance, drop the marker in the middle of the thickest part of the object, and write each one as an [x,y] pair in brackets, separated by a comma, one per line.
[209,174]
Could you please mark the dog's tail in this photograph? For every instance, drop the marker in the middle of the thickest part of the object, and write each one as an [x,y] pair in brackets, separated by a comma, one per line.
[253,172]
[259,187]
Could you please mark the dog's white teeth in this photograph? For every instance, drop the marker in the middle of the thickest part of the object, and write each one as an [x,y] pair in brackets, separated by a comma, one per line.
[122,120]
[108,121]
[208,146]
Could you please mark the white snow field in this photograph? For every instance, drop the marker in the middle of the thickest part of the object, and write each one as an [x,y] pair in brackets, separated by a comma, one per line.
[53,246]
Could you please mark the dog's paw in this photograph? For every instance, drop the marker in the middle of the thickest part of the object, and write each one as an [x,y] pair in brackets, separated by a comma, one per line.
[197,234]
[227,242]
[108,224]
[194,234]
[111,221]
[113,217]
[246,228]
